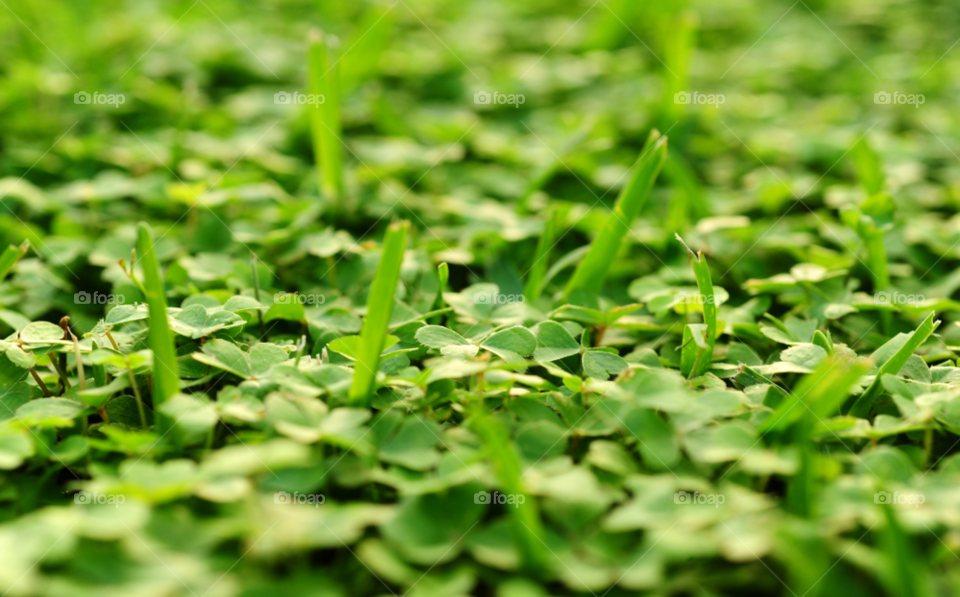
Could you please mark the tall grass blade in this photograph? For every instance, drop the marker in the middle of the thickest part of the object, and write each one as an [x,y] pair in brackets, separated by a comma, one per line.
[379,309]
[538,270]
[372,35]
[818,395]
[690,199]
[160,339]
[910,343]
[869,168]
[325,126]
[699,340]
[592,271]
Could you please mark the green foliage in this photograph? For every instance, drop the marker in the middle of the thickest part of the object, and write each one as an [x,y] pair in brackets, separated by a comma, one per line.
[525,386]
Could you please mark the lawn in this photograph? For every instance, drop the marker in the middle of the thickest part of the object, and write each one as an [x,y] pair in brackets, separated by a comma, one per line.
[500,298]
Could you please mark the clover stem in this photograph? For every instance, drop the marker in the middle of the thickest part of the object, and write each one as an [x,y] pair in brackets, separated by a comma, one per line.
[601,330]
[43,386]
[112,341]
[76,351]
[58,366]
[136,394]
[256,294]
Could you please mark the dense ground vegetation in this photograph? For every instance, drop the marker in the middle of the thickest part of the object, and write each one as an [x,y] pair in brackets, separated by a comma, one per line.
[493,298]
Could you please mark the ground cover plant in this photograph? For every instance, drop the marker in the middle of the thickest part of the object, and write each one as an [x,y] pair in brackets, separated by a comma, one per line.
[526,298]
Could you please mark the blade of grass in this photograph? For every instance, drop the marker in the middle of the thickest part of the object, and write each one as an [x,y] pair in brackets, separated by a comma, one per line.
[823,392]
[538,271]
[802,488]
[705,283]
[166,381]
[256,295]
[372,35]
[325,125]
[869,169]
[379,309]
[861,408]
[690,200]
[591,272]
[443,276]
[870,229]
[11,255]
[678,53]
[818,395]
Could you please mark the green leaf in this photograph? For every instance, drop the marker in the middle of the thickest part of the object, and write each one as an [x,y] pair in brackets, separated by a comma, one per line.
[349,346]
[554,342]
[13,397]
[287,311]
[16,445]
[656,440]
[193,417]
[17,356]
[44,333]
[807,356]
[98,396]
[413,445]
[600,364]
[49,412]
[511,344]
[435,336]
[239,303]
[196,321]
[255,364]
